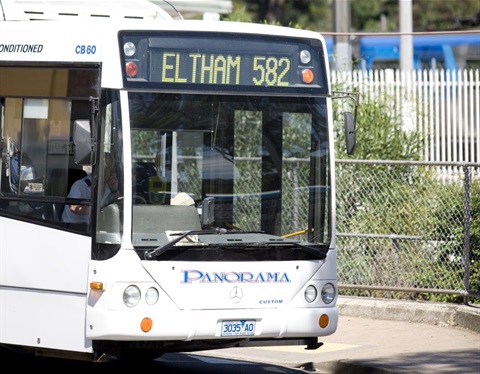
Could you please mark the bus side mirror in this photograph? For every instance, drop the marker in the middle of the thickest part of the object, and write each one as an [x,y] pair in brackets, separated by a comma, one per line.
[350,136]
[82,142]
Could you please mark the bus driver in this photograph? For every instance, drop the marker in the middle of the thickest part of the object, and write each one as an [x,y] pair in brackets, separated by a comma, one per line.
[81,189]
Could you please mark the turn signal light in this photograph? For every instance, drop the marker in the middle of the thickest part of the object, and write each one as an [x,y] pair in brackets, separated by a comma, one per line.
[131,69]
[146,324]
[307,75]
[323,321]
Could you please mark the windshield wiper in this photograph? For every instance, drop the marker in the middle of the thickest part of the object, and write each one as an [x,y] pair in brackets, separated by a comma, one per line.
[317,251]
[150,255]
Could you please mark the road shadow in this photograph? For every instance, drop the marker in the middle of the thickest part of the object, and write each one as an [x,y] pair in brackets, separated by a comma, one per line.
[461,361]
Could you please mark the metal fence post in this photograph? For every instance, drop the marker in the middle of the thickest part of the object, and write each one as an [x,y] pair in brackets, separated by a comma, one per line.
[466,241]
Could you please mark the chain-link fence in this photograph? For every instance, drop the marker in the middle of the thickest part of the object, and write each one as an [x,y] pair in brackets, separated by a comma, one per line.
[408,229]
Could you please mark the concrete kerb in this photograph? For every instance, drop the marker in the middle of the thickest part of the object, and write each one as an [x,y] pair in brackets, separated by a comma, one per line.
[346,367]
[441,314]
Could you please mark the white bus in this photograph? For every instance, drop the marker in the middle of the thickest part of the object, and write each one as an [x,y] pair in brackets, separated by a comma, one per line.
[220,230]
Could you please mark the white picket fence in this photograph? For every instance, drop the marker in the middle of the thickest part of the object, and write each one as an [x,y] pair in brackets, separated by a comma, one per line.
[444,105]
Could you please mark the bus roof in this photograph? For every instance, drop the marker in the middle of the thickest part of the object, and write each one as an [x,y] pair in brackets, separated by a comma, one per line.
[29,10]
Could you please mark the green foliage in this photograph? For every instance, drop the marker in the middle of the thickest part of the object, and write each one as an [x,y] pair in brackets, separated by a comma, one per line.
[445,15]
[380,132]
[239,14]
[381,136]
[383,15]
[305,14]
[366,15]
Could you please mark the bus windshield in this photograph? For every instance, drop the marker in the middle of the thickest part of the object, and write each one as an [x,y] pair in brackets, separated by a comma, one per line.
[257,164]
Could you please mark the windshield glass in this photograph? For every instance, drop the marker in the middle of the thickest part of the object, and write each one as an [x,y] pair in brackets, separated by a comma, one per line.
[203,162]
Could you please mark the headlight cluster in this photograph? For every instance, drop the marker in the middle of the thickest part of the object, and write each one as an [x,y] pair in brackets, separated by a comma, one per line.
[132,296]
[327,294]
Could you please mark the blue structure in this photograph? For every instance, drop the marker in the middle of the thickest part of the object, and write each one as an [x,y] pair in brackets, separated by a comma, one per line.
[449,51]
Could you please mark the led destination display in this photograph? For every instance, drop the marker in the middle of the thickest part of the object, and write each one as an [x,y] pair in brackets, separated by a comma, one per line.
[216,62]
[222,68]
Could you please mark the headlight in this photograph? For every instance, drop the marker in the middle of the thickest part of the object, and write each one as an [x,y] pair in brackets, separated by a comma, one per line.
[129,49]
[305,57]
[310,294]
[151,296]
[328,293]
[131,296]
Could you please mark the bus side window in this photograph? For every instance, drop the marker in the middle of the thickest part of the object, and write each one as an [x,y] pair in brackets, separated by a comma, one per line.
[4,186]
[11,121]
[34,145]
[37,165]
[4,175]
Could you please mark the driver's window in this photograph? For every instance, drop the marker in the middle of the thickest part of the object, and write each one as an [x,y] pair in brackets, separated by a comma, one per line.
[110,184]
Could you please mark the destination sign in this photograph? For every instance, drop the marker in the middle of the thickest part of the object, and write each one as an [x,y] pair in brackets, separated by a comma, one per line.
[216,61]
[222,68]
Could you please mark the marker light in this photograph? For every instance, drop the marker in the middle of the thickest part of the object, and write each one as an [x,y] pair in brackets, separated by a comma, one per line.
[131,68]
[98,286]
[328,293]
[151,296]
[129,49]
[131,296]
[305,56]
[310,294]
[307,76]
[323,321]
[146,324]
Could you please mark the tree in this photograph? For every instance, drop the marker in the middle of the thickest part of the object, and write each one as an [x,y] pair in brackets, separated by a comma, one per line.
[366,15]
[308,14]
[373,15]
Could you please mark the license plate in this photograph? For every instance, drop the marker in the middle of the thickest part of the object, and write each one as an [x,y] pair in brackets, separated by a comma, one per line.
[238,328]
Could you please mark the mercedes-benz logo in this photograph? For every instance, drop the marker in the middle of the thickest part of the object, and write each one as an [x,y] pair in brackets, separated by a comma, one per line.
[236,295]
